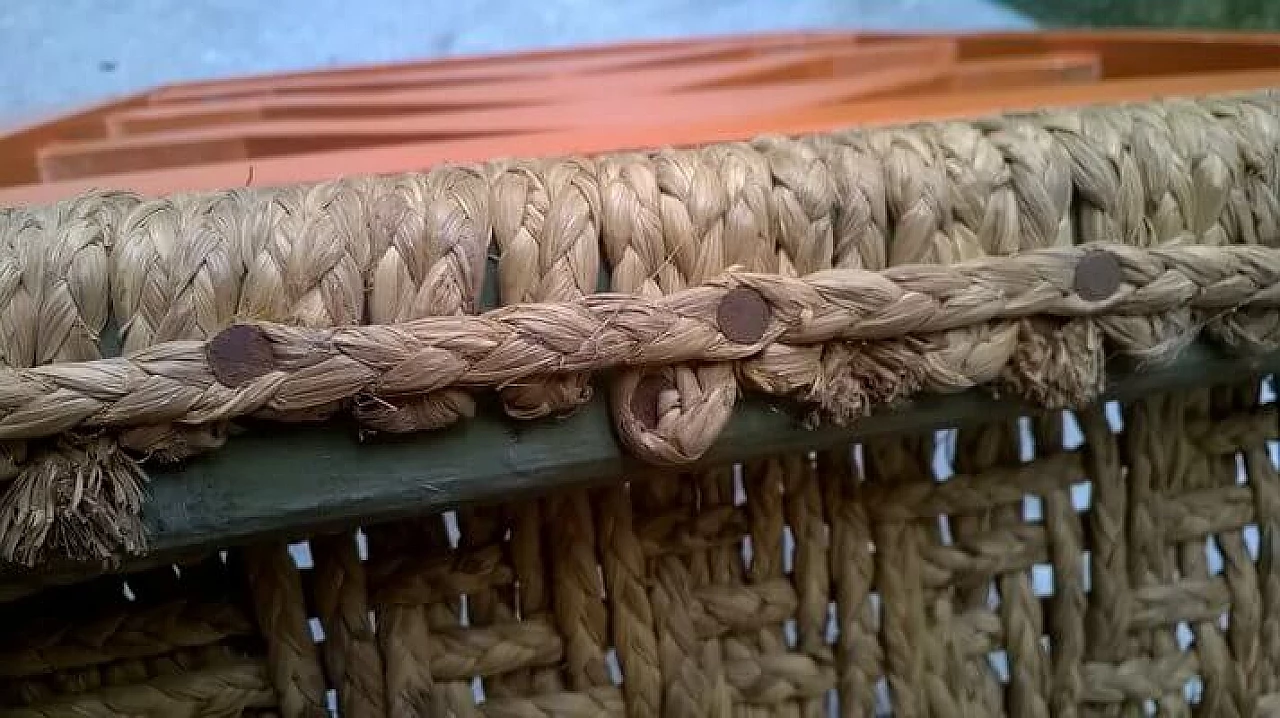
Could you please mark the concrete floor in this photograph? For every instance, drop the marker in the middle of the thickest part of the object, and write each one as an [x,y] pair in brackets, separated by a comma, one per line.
[61,53]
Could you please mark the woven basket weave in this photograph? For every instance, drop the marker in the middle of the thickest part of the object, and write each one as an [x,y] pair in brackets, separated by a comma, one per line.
[1106,559]
[931,575]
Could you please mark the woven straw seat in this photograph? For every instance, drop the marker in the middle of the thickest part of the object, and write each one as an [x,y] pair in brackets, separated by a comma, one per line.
[1088,556]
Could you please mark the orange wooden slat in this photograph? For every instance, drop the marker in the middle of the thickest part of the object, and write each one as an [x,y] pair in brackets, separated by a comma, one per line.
[20,142]
[1012,72]
[445,71]
[793,64]
[1127,53]
[280,137]
[416,156]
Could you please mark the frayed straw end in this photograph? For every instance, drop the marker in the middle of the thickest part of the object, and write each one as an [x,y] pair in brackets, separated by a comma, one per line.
[169,444]
[559,396]
[1248,331]
[1057,364]
[398,415]
[79,499]
[1150,340]
[855,379]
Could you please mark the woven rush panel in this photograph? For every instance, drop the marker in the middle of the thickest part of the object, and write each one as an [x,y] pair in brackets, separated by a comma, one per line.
[1113,560]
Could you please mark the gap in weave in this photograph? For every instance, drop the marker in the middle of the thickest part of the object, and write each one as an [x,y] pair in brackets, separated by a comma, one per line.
[450,519]
[1251,541]
[791,632]
[945,536]
[999,662]
[739,488]
[944,449]
[1086,570]
[788,550]
[1026,441]
[1082,497]
[1032,509]
[1072,436]
[1042,580]
[362,545]
[1115,416]
[884,699]
[615,667]
[1194,691]
[1213,552]
[301,553]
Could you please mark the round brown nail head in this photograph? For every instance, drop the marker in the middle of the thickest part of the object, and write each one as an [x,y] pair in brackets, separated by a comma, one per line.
[644,401]
[743,315]
[239,354]
[1098,276]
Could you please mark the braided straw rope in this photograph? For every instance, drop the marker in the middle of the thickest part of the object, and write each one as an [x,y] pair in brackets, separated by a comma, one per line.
[301,369]
[227,690]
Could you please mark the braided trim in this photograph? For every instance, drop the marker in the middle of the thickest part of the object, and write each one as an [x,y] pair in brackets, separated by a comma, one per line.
[227,690]
[437,229]
[130,633]
[546,227]
[314,367]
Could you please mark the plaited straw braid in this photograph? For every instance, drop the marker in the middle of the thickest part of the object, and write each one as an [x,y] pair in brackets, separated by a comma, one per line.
[176,273]
[1131,184]
[840,386]
[898,573]
[1252,202]
[350,650]
[489,612]
[58,687]
[1067,608]
[928,172]
[1020,611]
[228,690]
[764,482]
[692,661]
[403,638]
[405,625]
[622,562]
[858,656]
[123,634]
[546,219]
[1241,574]
[18,300]
[439,227]
[602,701]
[78,495]
[1150,562]
[303,368]
[293,663]
[672,215]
